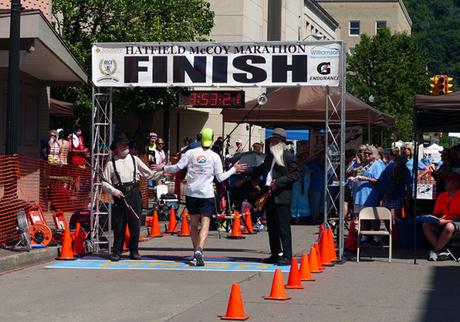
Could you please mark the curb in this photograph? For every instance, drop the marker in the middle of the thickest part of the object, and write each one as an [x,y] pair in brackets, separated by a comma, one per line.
[22,259]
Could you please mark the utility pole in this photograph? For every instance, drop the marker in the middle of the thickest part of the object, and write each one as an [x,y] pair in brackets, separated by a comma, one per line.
[11,144]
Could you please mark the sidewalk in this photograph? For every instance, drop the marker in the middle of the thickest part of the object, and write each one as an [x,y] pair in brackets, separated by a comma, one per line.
[11,260]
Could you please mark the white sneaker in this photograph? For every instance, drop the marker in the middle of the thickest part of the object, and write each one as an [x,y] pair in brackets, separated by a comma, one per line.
[443,256]
[199,257]
[432,256]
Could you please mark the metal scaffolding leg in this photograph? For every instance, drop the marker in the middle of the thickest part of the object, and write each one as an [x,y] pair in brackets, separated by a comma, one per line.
[334,179]
[101,136]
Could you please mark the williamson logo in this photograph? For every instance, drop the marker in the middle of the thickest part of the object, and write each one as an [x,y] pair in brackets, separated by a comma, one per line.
[108,68]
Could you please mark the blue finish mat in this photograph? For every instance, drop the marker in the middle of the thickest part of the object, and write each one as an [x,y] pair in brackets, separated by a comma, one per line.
[212,264]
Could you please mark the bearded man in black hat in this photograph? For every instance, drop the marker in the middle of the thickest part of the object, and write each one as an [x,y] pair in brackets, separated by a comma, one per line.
[280,172]
[121,176]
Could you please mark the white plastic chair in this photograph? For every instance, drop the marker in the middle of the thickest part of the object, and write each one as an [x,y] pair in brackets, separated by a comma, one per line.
[375,213]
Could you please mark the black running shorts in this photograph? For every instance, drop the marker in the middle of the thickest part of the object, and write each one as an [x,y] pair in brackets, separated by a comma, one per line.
[200,206]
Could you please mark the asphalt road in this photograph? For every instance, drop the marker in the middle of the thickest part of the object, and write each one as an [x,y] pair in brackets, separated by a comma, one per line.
[372,290]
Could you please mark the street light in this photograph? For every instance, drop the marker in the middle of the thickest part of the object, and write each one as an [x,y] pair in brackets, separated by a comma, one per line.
[316,36]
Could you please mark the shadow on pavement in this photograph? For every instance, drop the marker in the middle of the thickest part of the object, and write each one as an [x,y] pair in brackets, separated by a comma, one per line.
[442,299]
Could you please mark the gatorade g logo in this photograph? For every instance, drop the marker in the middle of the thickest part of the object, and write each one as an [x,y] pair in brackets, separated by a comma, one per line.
[201,159]
[324,68]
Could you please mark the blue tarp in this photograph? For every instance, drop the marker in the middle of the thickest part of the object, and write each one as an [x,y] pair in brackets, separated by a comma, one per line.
[292,135]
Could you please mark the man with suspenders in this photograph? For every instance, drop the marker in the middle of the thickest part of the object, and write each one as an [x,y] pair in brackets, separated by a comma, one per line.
[121,176]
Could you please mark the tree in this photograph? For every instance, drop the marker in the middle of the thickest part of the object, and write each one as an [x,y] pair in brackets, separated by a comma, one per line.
[84,22]
[392,69]
[437,27]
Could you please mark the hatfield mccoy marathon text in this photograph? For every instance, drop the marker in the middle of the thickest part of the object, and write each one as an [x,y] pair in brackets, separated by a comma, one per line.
[204,64]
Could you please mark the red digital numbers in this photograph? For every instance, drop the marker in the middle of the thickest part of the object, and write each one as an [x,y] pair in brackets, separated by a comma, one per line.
[214,99]
[192,99]
[238,99]
[226,100]
[204,99]
[229,99]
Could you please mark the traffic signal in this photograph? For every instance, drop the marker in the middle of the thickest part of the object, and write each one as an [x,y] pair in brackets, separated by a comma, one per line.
[438,86]
[433,85]
[448,84]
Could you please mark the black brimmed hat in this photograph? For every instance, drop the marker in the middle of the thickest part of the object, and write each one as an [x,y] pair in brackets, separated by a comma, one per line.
[120,139]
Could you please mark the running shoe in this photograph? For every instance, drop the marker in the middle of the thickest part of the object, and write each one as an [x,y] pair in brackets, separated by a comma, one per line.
[192,262]
[199,257]
[433,256]
[443,256]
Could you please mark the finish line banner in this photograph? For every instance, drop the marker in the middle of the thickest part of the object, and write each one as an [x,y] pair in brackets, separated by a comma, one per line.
[216,64]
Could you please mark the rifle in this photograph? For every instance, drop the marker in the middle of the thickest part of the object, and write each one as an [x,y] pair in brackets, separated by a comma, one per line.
[132,213]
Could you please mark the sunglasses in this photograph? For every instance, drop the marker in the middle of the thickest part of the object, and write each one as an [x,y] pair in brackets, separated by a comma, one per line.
[367,153]
[160,143]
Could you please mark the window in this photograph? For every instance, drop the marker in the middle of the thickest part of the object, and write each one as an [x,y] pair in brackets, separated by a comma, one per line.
[354,28]
[380,25]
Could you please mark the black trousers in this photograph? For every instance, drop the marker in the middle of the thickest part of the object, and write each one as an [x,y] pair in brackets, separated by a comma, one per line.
[279,228]
[120,218]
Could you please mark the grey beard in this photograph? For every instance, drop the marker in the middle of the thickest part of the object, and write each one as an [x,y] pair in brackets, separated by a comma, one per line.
[277,152]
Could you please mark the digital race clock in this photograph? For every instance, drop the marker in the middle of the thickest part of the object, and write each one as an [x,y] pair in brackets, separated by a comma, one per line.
[212,99]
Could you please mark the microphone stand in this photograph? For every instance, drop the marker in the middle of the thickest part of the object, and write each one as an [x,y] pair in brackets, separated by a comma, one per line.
[262,100]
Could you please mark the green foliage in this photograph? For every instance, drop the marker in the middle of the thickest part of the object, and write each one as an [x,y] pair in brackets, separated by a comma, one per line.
[391,68]
[436,25]
[84,22]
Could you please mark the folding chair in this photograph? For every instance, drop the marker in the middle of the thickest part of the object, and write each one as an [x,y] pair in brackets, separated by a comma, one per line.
[375,213]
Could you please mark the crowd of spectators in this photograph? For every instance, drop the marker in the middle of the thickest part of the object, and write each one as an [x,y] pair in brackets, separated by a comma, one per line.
[384,177]
[63,149]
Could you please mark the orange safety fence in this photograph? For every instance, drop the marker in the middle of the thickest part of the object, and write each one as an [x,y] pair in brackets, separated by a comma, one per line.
[26,181]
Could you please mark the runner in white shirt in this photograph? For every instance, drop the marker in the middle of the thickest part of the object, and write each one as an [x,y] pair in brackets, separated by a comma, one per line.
[203,165]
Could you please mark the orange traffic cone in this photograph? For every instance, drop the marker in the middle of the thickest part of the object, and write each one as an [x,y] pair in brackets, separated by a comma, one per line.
[172,228]
[320,231]
[318,256]
[66,249]
[155,228]
[236,228]
[313,260]
[184,228]
[278,291]
[248,229]
[325,251]
[78,242]
[305,273]
[351,243]
[294,276]
[235,308]
[332,253]
[127,238]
